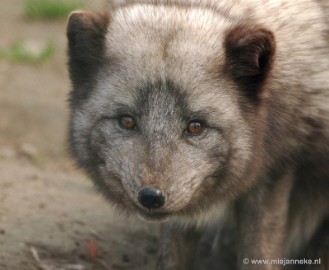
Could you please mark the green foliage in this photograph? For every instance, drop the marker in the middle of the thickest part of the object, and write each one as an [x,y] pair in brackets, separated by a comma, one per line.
[50,9]
[18,52]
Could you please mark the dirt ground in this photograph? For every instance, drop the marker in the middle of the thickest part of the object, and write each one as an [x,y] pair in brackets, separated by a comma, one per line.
[51,217]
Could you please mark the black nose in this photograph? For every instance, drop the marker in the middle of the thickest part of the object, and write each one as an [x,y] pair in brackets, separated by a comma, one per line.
[151,198]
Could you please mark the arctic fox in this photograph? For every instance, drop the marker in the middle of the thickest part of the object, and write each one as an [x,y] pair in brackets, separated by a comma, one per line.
[203,113]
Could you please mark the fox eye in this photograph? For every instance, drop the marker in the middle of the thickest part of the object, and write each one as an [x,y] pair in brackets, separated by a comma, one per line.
[126,122]
[194,127]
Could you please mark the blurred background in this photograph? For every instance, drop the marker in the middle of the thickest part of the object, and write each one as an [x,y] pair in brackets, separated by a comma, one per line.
[51,218]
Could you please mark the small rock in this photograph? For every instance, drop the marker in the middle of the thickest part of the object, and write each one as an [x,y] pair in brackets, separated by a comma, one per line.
[28,150]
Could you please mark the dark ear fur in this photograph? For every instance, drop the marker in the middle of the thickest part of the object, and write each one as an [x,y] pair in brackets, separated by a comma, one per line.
[86,43]
[249,56]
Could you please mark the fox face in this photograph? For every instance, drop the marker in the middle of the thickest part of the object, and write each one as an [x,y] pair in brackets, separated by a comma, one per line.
[161,120]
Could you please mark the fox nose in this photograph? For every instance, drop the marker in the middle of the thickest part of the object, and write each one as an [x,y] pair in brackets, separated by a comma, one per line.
[151,198]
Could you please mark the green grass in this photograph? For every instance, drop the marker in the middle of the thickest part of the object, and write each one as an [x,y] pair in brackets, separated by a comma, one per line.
[18,52]
[50,9]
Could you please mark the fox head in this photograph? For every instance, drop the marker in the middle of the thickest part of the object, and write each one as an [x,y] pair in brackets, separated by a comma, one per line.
[164,108]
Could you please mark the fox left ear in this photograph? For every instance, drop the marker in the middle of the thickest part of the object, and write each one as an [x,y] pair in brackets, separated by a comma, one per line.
[249,57]
[86,44]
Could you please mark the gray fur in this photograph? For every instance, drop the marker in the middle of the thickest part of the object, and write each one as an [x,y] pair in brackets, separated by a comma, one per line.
[261,165]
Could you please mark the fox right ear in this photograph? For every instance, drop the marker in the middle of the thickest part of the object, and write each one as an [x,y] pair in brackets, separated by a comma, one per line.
[86,43]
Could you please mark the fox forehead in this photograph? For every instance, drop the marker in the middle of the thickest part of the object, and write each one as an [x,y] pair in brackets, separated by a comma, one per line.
[156,42]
